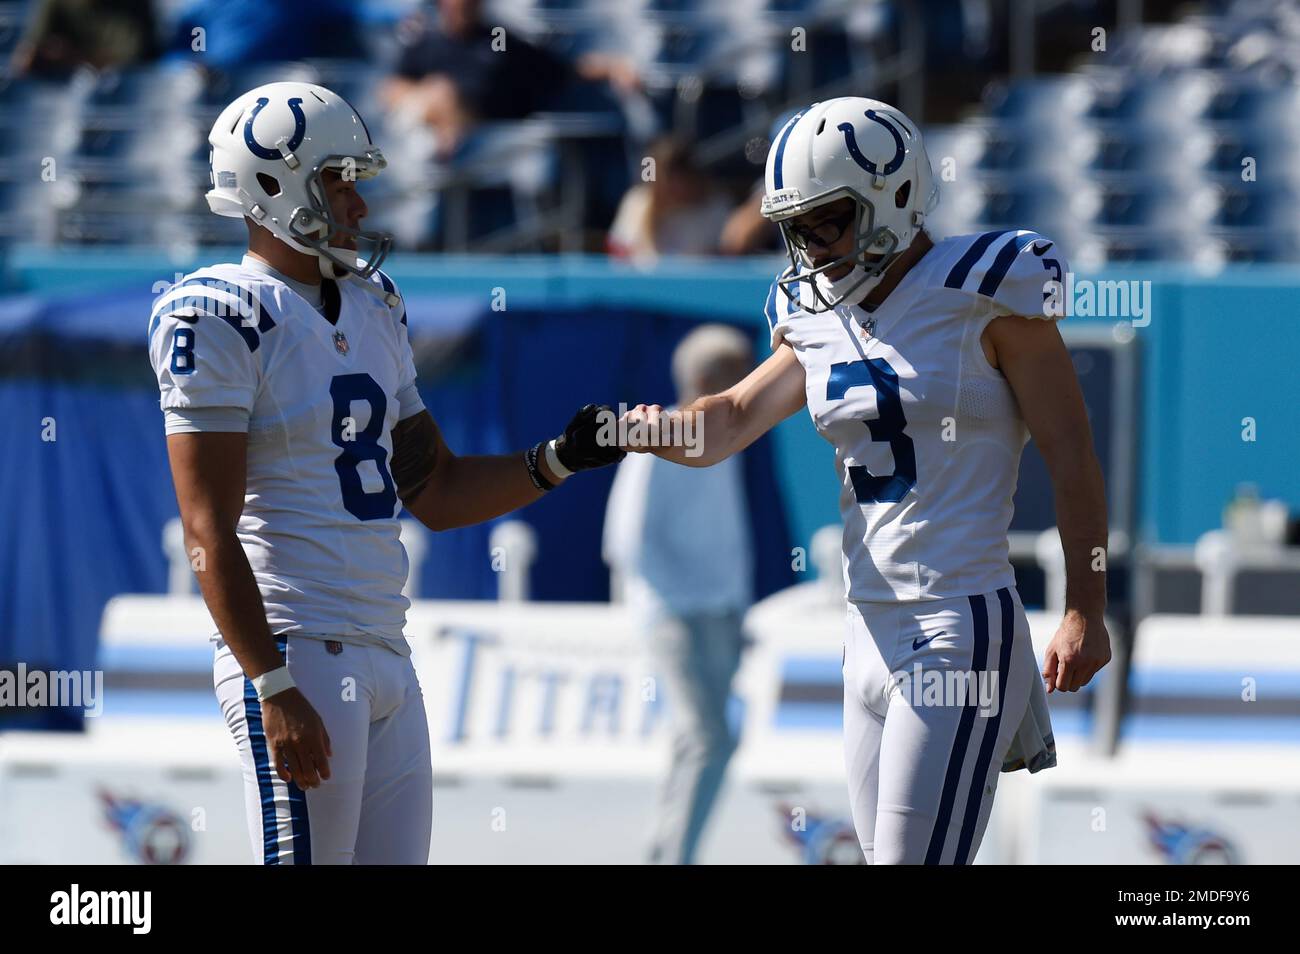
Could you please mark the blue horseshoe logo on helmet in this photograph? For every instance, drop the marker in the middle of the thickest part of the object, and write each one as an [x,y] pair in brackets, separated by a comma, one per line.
[299,129]
[899,149]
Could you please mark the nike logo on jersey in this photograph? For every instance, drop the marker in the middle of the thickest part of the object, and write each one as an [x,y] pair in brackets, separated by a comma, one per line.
[1041,247]
[918,643]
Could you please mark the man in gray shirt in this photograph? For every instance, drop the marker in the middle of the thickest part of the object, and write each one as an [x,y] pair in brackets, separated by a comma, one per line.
[678,542]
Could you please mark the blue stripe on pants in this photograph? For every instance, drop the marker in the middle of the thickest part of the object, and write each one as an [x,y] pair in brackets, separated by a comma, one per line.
[299,823]
[975,798]
[979,660]
[265,774]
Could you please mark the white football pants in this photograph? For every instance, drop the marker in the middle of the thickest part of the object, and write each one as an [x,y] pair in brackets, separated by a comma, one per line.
[377,806]
[933,694]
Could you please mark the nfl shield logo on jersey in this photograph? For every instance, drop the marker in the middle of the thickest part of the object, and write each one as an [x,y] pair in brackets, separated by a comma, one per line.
[340,342]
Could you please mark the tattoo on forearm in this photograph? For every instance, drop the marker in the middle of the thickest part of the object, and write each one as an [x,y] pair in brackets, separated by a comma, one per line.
[415,454]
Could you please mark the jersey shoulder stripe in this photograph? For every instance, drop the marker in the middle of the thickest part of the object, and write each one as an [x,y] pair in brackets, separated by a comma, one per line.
[235,304]
[778,307]
[769,307]
[387,284]
[1002,264]
[997,269]
[969,274]
[961,271]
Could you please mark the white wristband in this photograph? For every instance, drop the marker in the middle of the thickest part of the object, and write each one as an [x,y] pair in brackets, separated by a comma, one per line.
[269,683]
[553,461]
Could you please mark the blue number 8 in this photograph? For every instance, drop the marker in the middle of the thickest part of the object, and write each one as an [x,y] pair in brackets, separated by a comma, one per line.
[876,372]
[183,351]
[364,445]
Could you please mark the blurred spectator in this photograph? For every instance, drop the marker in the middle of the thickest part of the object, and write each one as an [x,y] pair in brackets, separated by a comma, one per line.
[747,231]
[678,212]
[244,32]
[679,544]
[452,72]
[63,35]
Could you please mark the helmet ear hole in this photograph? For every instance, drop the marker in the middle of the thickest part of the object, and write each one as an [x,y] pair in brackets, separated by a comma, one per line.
[270,184]
[902,193]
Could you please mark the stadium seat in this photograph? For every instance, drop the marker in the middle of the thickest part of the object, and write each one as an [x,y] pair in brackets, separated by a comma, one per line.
[1044,101]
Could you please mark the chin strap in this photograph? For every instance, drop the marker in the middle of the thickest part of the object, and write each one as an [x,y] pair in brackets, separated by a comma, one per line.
[332,270]
[388,298]
[843,291]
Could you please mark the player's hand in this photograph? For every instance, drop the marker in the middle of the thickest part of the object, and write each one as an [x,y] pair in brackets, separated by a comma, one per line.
[1079,649]
[296,737]
[641,426]
[590,439]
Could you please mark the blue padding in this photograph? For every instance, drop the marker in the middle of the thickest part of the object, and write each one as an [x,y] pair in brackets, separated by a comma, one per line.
[181,703]
[1215,683]
[812,669]
[171,659]
[809,715]
[1240,729]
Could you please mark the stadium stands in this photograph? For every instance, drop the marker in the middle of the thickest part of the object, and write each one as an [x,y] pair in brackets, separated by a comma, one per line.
[1164,148]
[1139,156]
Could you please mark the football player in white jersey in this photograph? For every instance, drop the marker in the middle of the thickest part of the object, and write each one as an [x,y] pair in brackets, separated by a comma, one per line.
[927,364]
[296,436]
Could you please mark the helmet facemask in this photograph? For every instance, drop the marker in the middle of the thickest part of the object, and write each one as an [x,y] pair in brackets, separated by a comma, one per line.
[313,227]
[881,243]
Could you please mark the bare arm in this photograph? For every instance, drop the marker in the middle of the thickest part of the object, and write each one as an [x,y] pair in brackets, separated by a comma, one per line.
[723,424]
[1034,359]
[209,471]
[444,491]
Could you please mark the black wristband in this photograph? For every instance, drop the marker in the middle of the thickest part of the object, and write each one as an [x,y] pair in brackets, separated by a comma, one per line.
[534,472]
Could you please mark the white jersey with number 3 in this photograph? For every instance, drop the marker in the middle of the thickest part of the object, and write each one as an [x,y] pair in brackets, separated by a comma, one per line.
[927,434]
[319,525]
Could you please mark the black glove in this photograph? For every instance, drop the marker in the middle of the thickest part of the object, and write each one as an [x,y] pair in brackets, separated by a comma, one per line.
[580,447]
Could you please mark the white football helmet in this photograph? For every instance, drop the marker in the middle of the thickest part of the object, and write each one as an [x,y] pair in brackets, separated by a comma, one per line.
[269,148]
[851,147]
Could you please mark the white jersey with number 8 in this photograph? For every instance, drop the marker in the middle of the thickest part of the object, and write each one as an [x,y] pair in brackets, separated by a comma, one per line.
[319,524]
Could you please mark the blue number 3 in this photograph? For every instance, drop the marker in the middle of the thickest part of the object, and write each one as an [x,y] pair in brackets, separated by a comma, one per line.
[361,445]
[888,426]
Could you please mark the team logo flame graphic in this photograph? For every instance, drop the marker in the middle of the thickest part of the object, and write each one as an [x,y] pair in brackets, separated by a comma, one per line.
[151,833]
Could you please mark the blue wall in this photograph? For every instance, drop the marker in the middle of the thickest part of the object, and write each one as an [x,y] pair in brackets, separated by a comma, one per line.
[1219,349]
